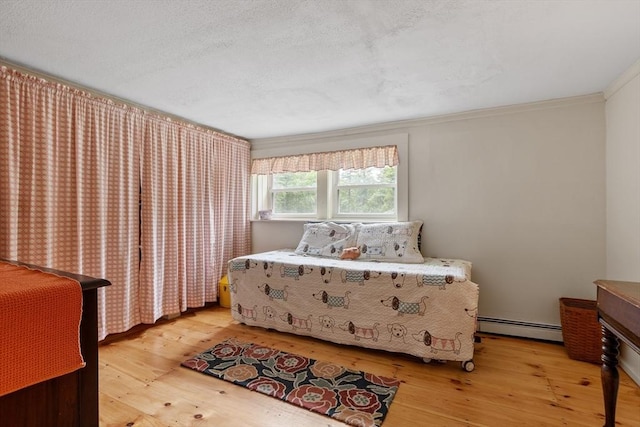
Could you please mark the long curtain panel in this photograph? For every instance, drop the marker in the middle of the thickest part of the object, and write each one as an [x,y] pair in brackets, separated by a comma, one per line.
[158,209]
[87,185]
[194,215]
[108,219]
[68,188]
[232,171]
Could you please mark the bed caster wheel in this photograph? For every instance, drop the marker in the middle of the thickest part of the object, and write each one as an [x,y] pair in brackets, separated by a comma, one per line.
[468,365]
[426,360]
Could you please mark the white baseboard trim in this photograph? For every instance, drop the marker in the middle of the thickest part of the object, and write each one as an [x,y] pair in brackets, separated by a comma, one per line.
[517,328]
[628,360]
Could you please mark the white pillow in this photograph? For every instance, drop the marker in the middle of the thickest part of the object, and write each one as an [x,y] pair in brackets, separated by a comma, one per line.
[326,239]
[393,242]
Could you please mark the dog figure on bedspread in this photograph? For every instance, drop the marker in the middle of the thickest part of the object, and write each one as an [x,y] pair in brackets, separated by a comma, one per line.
[326,323]
[437,344]
[397,330]
[435,280]
[294,271]
[246,313]
[403,307]
[357,276]
[267,266]
[269,312]
[242,265]
[359,332]
[297,322]
[326,273]
[333,300]
[274,293]
[397,279]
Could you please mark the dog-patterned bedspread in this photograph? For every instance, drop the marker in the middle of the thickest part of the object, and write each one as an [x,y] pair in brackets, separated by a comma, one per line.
[427,310]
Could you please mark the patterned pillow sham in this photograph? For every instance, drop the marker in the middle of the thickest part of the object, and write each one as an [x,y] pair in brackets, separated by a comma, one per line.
[326,239]
[393,242]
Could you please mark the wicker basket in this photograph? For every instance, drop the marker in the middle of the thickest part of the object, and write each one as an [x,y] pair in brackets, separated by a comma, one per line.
[581,331]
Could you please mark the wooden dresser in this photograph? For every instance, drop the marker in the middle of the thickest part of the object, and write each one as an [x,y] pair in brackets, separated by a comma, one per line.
[619,314]
[70,400]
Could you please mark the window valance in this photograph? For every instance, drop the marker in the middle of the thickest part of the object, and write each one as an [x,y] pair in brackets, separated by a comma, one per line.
[359,158]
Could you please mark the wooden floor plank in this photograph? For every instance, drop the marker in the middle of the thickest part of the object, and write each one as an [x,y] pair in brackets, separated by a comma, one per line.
[516,382]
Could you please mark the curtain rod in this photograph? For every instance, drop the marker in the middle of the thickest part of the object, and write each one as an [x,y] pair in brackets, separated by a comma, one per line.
[55,79]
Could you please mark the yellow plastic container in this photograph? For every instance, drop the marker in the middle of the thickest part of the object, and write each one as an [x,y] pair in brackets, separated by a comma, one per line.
[224,296]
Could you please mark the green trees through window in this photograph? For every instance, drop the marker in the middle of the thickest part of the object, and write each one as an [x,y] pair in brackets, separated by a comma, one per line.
[370,191]
[295,192]
[367,191]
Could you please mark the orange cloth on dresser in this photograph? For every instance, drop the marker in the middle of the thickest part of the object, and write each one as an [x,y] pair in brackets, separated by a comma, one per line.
[39,327]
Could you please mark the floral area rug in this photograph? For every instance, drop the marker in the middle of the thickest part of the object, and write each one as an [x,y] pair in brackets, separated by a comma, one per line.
[354,397]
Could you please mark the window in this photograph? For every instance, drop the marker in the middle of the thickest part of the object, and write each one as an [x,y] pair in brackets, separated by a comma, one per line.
[347,194]
[364,182]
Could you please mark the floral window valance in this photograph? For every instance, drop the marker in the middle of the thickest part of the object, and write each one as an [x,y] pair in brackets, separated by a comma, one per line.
[359,158]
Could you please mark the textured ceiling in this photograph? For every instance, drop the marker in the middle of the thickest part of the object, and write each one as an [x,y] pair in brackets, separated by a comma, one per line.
[282,67]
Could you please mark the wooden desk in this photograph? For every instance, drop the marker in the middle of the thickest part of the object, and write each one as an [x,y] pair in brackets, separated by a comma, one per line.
[71,399]
[619,314]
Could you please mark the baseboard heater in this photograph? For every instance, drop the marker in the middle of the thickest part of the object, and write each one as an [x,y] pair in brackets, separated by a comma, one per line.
[544,331]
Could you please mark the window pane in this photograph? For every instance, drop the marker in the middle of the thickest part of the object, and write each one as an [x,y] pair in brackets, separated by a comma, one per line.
[366,200]
[295,180]
[294,202]
[386,175]
[294,192]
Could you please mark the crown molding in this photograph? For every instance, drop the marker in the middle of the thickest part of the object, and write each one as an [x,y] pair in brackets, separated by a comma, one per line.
[622,80]
[405,125]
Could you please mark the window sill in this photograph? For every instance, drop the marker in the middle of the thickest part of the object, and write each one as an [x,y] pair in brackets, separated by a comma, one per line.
[337,221]
[281,220]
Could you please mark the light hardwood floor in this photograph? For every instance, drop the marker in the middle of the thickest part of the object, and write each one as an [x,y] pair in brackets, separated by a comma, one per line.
[517,382]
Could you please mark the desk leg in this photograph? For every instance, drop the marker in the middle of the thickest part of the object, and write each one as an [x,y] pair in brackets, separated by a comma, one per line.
[609,375]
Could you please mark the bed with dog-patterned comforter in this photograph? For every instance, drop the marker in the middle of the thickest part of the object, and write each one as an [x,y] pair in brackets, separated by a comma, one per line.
[427,310]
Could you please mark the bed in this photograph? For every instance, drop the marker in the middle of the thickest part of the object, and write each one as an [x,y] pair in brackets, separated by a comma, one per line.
[425,307]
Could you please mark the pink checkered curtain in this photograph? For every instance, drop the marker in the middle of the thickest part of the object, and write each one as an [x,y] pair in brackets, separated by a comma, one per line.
[107,139]
[161,272]
[231,196]
[69,188]
[88,186]
[194,211]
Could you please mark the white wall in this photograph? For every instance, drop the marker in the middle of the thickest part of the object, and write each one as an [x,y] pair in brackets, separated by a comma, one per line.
[519,191]
[623,188]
